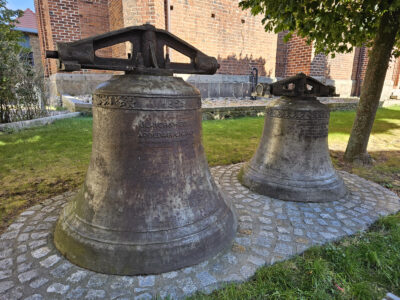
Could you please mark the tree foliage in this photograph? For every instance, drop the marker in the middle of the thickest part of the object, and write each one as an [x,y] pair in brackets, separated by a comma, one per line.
[21,86]
[332,25]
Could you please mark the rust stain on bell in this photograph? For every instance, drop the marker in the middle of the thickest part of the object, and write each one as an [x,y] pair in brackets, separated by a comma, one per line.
[149,203]
[292,161]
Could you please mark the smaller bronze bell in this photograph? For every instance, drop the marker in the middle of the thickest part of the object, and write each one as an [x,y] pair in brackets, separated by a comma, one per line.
[292,160]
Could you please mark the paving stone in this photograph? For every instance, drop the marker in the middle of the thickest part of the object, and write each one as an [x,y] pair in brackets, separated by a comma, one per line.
[170,275]
[145,296]
[77,293]
[298,231]
[28,213]
[244,241]
[97,280]
[6,285]
[5,253]
[23,237]
[265,220]
[34,297]
[267,234]
[321,222]
[77,276]
[284,248]
[230,259]
[38,282]
[61,270]
[27,276]
[15,226]
[268,213]
[256,260]
[40,252]
[15,293]
[21,258]
[6,263]
[245,219]
[119,294]
[50,261]
[264,242]
[146,281]
[187,285]
[9,235]
[247,271]
[39,235]
[309,221]
[5,274]
[58,288]
[284,238]
[95,294]
[37,243]
[24,267]
[140,290]
[22,249]
[282,229]
[206,278]
[187,270]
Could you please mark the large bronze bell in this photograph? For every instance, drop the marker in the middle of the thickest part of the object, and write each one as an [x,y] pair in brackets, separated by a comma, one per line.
[292,160]
[149,203]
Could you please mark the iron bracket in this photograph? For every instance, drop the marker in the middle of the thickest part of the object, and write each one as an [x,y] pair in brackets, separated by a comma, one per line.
[299,85]
[148,45]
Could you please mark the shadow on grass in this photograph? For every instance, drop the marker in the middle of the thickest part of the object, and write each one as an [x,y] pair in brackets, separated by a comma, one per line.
[384,171]
[386,119]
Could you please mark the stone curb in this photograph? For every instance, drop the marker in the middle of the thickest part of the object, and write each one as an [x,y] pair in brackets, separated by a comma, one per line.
[15,126]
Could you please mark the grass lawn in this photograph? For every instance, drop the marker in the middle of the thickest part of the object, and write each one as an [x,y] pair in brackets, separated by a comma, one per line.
[46,161]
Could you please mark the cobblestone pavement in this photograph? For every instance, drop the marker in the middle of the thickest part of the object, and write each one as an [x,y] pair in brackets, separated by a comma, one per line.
[269,230]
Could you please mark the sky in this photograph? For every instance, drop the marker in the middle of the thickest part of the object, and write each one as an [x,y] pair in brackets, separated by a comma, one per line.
[20,4]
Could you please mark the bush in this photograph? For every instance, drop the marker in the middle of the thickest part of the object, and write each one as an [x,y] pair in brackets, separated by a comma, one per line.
[21,87]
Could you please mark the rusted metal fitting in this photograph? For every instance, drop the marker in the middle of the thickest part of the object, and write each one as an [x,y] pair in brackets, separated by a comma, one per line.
[299,85]
[147,56]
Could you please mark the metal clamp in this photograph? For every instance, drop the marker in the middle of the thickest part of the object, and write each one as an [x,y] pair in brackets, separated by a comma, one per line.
[147,56]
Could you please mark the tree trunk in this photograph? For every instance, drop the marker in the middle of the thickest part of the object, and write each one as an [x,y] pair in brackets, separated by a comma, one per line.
[371,91]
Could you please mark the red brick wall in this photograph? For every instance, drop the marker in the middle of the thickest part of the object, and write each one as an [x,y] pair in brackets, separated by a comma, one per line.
[138,12]
[281,55]
[93,17]
[34,42]
[318,67]
[298,57]
[45,34]
[396,73]
[340,67]
[221,29]
[116,22]
[69,20]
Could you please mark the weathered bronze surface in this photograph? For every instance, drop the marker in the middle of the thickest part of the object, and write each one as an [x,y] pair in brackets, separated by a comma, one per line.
[292,160]
[149,204]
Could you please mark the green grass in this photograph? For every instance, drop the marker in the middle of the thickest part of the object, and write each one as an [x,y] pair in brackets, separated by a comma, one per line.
[364,266]
[42,162]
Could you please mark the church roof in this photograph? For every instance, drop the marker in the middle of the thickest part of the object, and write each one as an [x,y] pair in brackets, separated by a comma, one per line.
[27,23]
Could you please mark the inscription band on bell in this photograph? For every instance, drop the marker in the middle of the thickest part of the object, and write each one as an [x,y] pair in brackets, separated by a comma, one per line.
[141,102]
